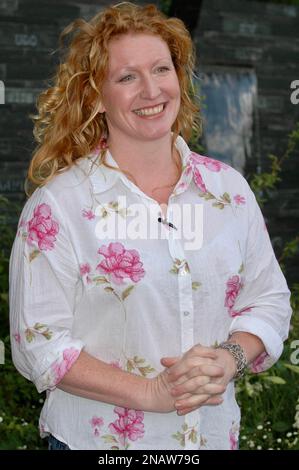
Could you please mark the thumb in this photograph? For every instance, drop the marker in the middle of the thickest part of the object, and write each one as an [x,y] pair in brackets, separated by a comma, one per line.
[169,361]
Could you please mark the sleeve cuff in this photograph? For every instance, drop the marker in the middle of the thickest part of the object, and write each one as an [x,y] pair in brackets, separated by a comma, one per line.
[271,339]
[51,370]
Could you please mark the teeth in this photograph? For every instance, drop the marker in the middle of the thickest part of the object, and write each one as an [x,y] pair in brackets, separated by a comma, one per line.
[150,111]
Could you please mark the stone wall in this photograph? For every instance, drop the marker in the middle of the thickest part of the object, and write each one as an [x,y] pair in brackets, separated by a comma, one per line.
[264,38]
[232,34]
[29,31]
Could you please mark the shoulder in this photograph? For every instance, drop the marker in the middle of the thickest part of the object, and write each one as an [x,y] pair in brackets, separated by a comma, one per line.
[216,175]
[67,190]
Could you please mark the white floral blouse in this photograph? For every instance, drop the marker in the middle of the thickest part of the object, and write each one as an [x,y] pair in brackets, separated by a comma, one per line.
[129,299]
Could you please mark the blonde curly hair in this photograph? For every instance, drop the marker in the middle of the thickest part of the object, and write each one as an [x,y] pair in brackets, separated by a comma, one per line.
[68,125]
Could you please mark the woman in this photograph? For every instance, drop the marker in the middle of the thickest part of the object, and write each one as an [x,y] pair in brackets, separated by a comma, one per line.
[137,325]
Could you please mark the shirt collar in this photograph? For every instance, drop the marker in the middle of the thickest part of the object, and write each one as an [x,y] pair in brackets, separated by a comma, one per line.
[103,178]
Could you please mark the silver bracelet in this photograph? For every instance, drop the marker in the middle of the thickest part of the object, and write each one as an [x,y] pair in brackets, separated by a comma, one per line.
[238,354]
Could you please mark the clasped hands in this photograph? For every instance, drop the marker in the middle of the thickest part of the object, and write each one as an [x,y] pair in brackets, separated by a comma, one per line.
[197,378]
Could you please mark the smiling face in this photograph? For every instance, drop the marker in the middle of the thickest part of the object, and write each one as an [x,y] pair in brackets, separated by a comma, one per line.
[141,94]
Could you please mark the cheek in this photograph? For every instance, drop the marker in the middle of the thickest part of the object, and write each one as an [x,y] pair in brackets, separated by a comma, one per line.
[175,89]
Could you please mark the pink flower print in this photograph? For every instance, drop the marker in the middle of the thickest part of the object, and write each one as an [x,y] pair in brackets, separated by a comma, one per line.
[60,368]
[258,364]
[96,424]
[84,269]
[198,180]
[115,364]
[17,337]
[188,169]
[22,222]
[182,185]
[120,263]
[239,199]
[233,439]
[129,425]
[42,228]
[42,429]
[88,214]
[233,287]
[210,163]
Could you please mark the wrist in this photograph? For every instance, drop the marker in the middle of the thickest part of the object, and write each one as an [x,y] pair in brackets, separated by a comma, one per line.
[238,357]
[157,395]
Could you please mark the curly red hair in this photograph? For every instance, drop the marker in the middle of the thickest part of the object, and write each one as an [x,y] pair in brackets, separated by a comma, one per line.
[68,125]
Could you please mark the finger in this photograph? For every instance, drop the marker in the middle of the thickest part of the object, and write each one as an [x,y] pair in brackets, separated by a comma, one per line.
[214,401]
[190,386]
[185,368]
[169,361]
[196,387]
[186,411]
[202,351]
[195,400]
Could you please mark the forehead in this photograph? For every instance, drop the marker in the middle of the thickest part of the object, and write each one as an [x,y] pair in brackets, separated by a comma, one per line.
[130,49]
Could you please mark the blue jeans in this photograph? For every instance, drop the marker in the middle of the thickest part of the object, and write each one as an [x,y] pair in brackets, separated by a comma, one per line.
[55,444]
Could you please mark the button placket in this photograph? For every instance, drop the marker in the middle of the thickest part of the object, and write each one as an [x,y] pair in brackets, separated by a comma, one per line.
[192,420]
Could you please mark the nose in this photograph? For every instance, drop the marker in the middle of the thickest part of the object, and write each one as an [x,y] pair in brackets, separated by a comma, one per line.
[150,88]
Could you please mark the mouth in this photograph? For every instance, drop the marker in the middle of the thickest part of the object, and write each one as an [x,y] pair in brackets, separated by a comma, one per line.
[150,111]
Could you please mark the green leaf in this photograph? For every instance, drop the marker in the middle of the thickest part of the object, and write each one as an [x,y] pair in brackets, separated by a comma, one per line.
[196,285]
[39,326]
[100,279]
[29,335]
[292,367]
[174,270]
[130,365]
[280,426]
[33,255]
[113,204]
[109,289]
[126,292]
[207,196]
[193,436]
[138,360]
[226,197]
[4,296]
[145,371]
[219,205]
[48,334]
[274,379]
[109,439]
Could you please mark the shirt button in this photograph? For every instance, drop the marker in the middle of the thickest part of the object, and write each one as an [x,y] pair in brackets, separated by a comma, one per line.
[186,313]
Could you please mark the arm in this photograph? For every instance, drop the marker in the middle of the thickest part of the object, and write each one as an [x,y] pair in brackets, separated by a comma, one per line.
[96,380]
[44,278]
[260,329]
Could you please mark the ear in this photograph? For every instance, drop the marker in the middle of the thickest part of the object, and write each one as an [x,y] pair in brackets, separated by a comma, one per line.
[102,108]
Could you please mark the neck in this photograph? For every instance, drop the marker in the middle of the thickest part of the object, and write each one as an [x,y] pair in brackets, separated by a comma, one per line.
[143,159]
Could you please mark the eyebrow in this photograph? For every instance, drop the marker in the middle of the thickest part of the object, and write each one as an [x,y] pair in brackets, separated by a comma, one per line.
[128,68]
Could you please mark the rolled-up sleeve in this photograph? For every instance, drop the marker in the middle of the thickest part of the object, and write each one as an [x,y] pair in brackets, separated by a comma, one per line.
[43,276]
[264,299]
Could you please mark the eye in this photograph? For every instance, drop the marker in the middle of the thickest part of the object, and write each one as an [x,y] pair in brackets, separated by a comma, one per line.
[127,78]
[163,68]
